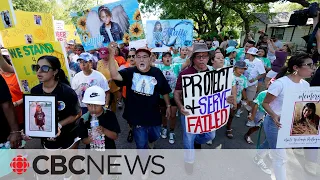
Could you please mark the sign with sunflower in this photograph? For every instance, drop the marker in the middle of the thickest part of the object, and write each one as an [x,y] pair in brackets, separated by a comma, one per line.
[169,33]
[8,18]
[118,21]
[24,56]
[31,27]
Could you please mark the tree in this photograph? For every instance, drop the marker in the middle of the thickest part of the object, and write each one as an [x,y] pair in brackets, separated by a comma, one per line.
[60,9]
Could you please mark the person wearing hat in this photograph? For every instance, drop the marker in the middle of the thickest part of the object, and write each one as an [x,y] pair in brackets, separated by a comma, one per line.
[239,85]
[199,60]
[145,84]
[103,67]
[231,53]
[232,42]
[108,129]
[254,72]
[170,71]
[87,78]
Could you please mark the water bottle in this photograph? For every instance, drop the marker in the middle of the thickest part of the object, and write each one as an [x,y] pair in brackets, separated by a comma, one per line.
[94,125]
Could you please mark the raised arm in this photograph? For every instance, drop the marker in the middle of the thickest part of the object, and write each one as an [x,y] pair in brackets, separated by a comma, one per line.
[115,75]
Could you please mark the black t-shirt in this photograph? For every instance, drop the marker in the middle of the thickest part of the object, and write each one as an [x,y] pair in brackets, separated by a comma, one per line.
[316,78]
[68,105]
[107,120]
[5,96]
[143,92]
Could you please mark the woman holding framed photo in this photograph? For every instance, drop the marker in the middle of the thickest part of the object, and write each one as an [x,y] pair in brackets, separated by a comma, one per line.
[54,82]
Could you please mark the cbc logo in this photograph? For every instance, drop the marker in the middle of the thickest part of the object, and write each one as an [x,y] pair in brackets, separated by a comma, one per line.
[19,164]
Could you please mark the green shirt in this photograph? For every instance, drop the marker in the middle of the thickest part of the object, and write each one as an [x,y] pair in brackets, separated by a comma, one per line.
[241,83]
[171,74]
[259,100]
[266,62]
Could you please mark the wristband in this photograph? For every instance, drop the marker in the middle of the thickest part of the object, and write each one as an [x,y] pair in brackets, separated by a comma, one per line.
[59,125]
[168,105]
[13,132]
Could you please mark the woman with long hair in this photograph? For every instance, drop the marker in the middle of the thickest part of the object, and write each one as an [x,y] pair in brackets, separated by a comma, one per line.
[299,67]
[157,34]
[308,122]
[54,82]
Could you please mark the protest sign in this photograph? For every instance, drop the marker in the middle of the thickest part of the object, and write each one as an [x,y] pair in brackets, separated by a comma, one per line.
[205,97]
[170,33]
[31,28]
[23,57]
[72,33]
[118,21]
[8,18]
[300,119]
[60,33]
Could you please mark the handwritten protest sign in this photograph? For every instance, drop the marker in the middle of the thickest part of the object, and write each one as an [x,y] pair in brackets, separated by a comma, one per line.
[118,21]
[169,33]
[60,33]
[23,57]
[31,28]
[300,119]
[205,96]
[8,18]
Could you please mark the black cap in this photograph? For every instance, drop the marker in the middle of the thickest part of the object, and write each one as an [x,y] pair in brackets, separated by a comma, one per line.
[165,53]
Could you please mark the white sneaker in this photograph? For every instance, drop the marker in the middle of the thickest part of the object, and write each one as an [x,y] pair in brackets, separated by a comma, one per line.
[259,161]
[164,132]
[250,124]
[209,142]
[238,113]
[172,138]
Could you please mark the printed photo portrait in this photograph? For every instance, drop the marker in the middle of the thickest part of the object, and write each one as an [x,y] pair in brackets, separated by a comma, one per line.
[25,85]
[40,112]
[40,115]
[306,119]
[5,16]
[28,38]
[37,20]
[143,84]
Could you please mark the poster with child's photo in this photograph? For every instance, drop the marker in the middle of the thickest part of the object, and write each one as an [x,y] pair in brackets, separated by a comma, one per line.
[8,18]
[40,116]
[37,20]
[300,119]
[28,38]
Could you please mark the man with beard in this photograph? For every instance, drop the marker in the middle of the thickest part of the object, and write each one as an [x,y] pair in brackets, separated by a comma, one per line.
[142,108]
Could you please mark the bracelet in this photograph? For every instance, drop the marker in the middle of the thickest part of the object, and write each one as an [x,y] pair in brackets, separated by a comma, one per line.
[15,103]
[59,125]
[169,105]
[13,132]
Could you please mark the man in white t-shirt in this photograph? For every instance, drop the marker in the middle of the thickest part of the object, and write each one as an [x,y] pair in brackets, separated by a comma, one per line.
[87,78]
[254,72]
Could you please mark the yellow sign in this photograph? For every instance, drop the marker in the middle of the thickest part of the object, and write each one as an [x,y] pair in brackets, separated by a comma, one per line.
[8,18]
[72,33]
[23,57]
[31,28]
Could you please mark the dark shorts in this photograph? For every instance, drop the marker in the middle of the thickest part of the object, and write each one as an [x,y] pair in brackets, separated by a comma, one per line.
[163,103]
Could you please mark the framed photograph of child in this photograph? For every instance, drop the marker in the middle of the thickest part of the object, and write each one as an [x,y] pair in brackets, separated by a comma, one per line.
[40,115]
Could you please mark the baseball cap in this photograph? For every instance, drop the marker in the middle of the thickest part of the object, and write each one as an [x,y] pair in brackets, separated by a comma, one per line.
[252,51]
[94,95]
[71,42]
[241,64]
[103,52]
[143,50]
[85,56]
[231,49]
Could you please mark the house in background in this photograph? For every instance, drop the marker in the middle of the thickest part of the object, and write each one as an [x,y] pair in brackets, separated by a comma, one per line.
[277,26]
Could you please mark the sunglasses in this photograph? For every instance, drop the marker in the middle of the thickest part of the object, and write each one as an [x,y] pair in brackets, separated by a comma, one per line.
[131,56]
[44,68]
[311,65]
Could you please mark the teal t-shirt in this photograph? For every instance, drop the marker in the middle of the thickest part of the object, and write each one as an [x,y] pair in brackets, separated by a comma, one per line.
[266,61]
[259,100]
[240,55]
[240,83]
[179,60]
[171,74]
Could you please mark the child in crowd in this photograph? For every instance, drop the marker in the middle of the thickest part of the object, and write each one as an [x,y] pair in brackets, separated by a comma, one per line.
[257,115]
[262,55]
[239,84]
[231,53]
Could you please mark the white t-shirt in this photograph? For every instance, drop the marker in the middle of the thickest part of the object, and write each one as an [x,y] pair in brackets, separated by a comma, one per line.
[179,60]
[215,44]
[255,68]
[81,82]
[109,34]
[277,89]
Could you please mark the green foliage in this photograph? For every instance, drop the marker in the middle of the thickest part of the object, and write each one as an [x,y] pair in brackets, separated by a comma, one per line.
[60,9]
